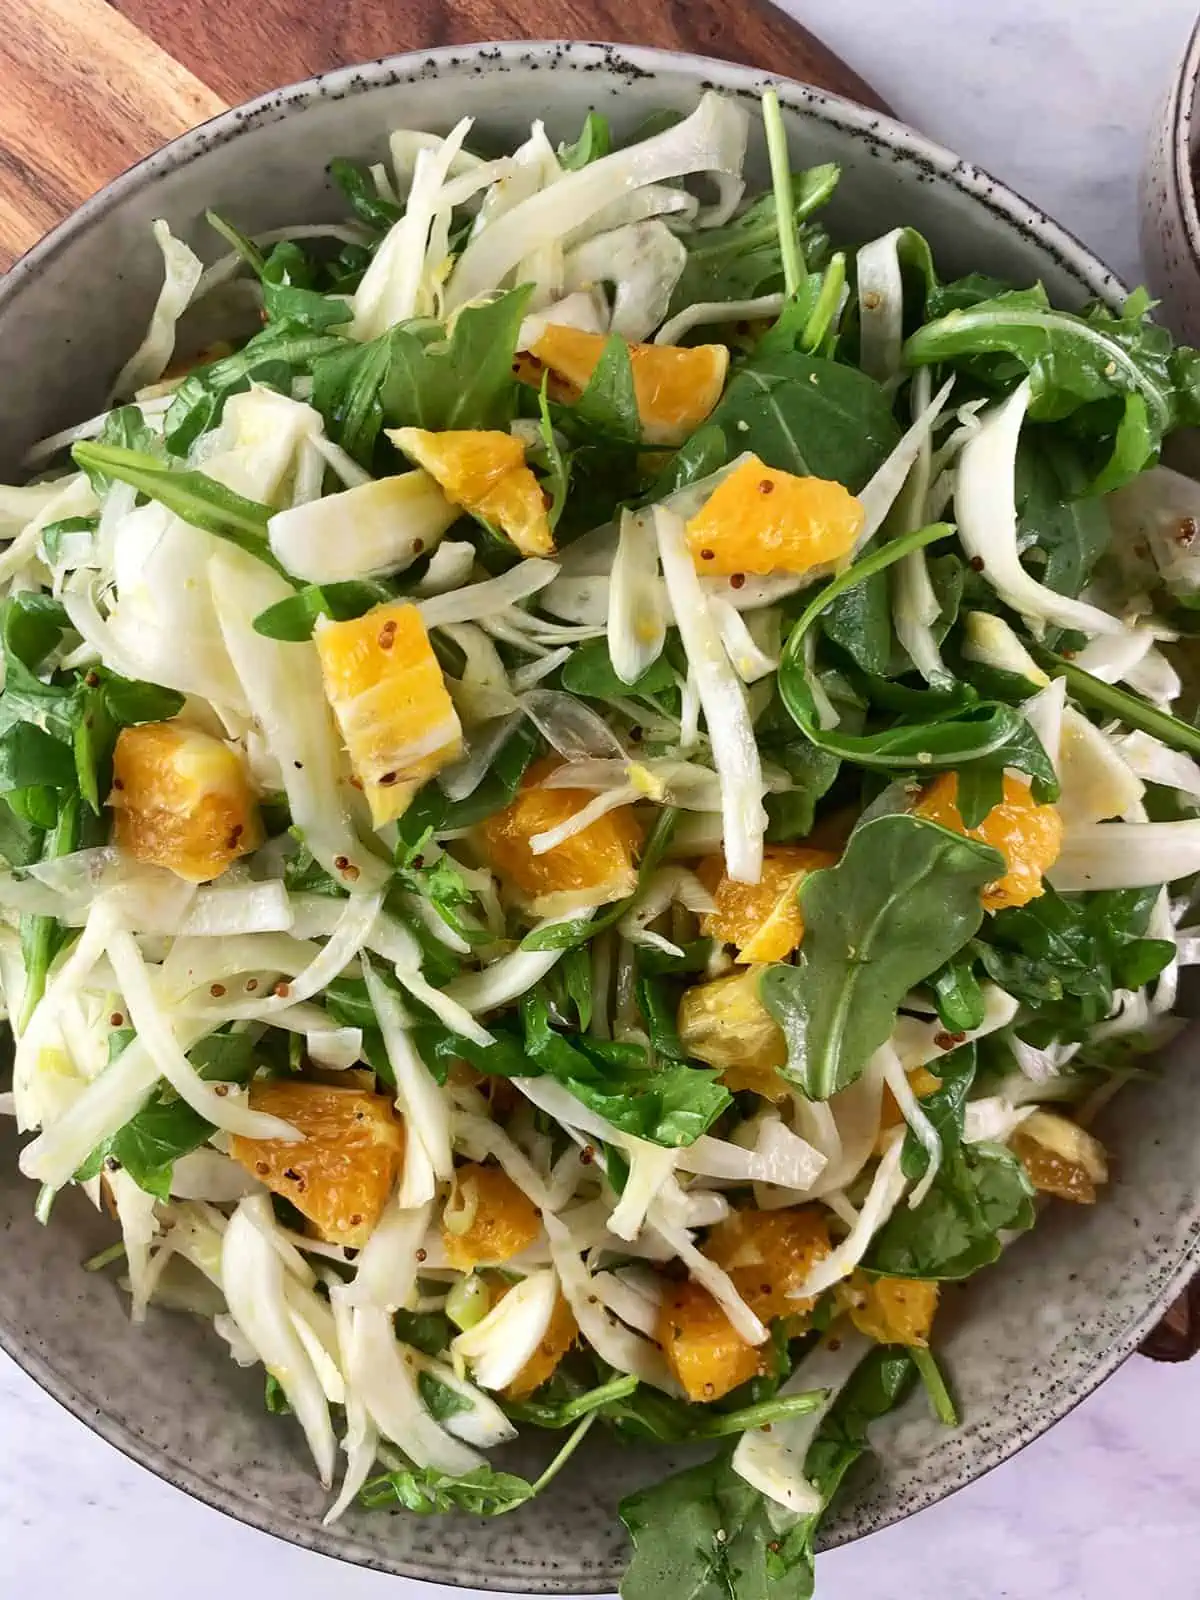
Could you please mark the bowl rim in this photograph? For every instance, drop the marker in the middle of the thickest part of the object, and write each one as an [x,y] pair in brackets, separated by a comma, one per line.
[886,132]
[1180,115]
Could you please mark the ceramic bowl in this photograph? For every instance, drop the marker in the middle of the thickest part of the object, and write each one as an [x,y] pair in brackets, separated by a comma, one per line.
[1026,1341]
[1170,216]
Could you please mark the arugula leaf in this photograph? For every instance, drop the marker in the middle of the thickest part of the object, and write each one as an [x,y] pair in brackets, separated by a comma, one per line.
[960,1002]
[1059,526]
[274,357]
[810,416]
[668,1105]
[589,671]
[1123,704]
[706,1534]
[431,811]
[548,1413]
[427,1331]
[429,1492]
[166,1128]
[43,937]
[441,1401]
[608,405]
[550,459]
[31,759]
[358,186]
[289,294]
[903,899]
[743,259]
[294,619]
[993,734]
[1119,378]
[593,143]
[125,428]
[945,1108]
[791,815]
[190,494]
[463,381]
[980,1196]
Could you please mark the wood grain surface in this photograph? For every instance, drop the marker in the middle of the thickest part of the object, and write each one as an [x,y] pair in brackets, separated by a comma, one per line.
[87,87]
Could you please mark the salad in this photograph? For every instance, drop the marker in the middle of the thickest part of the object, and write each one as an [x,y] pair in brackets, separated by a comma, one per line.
[592,805]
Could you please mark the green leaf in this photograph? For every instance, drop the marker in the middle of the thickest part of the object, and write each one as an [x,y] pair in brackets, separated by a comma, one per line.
[294,619]
[55,534]
[289,295]
[441,1401]
[669,1105]
[1059,527]
[190,494]
[743,259]
[980,1196]
[589,671]
[130,701]
[945,1108]
[358,186]
[464,381]
[1123,704]
[274,357]
[550,459]
[427,1331]
[42,937]
[30,758]
[1117,378]
[562,1413]
[166,1128]
[810,416]
[431,809]
[608,406]
[428,1492]
[903,899]
[960,1001]
[126,429]
[593,143]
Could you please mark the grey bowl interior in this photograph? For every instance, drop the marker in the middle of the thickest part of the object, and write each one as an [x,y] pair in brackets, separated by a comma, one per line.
[1029,1338]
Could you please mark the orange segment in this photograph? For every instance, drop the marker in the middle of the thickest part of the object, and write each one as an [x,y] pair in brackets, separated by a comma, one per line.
[769,1254]
[889,1310]
[676,388]
[597,863]
[1060,1157]
[182,800]
[703,1348]
[390,700]
[762,919]
[726,1024]
[484,472]
[341,1173]
[762,520]
[541,1366]
[488,1219]
[1027,835]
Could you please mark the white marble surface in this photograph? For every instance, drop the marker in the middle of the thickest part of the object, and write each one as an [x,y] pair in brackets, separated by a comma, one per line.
[1055,98]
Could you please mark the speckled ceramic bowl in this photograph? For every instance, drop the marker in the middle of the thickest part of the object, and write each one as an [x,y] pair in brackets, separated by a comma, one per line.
[1024,1343]
[1170,217]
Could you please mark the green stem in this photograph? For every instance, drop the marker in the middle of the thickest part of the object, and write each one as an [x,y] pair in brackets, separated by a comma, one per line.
[564,1455]
[40,935]
[878,561]
[825,310]
[561,1416]
[781,183]
[785,1405]
[935,1386]
[104,1258]
[1122,703]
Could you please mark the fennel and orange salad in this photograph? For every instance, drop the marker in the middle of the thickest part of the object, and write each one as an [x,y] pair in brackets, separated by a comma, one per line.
[591,812]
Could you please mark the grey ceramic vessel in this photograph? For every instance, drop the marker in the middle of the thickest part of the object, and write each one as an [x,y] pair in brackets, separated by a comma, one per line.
[1027,1340]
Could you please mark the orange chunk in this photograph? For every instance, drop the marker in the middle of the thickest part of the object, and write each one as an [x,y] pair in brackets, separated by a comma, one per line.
[769,1254]
[1027,835]
[484,472]
[676,388]
[592,867]
[762,520]
[182,800]
[341,1173]
[488,1219]
[390,700]
[762,919]
[889,1310]
[1060,1157]
[542,1364]
[703,1348]
[726,1024]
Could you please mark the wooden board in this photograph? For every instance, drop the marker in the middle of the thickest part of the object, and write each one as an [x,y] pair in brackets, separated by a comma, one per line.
[91,87]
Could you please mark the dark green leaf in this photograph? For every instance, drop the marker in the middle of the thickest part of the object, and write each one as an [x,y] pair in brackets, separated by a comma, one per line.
[903,899]
[273,357]
[608,406]
[464,381]
[959,998]
[357,184]
[593,143]
[427,1331]
[809,416]
[294,619]
[30,758]
[441,1401]
[125,428]
[945,1108]
[589,671]
[425,1490]
[980,1195]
